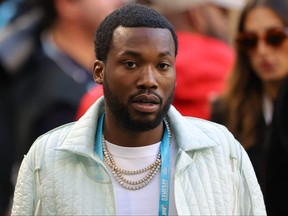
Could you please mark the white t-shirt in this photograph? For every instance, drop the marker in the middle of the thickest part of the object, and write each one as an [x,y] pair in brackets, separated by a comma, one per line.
[267,107]
[144,201]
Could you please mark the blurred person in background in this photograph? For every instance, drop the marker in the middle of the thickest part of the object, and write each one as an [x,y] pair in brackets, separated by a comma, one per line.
[46,55]
[205,57]
[247,106]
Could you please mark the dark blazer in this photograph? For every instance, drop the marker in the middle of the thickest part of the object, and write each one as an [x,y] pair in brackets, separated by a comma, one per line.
[277,159]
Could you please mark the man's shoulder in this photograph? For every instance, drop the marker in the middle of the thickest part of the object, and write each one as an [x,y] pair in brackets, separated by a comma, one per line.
[206,125]
[43,149]
[197,130]
[208,132]
[54,137]
[223,139]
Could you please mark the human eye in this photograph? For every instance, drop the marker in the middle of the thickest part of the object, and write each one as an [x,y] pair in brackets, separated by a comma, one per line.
[163,66]
[130,64]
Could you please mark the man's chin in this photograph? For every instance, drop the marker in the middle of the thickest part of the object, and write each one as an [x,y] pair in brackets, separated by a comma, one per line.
[142,124]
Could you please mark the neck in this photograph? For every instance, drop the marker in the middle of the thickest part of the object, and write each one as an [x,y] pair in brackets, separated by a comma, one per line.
[124,137]
[75,42]
[271,89]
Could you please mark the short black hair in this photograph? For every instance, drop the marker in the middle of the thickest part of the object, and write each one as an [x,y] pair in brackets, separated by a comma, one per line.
[129,15]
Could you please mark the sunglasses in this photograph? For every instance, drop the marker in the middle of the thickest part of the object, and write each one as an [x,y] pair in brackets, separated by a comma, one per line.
[273,37]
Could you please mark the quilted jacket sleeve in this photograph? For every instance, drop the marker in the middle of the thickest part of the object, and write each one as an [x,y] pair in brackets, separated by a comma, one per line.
[24,195]
[251,200]
[248,195]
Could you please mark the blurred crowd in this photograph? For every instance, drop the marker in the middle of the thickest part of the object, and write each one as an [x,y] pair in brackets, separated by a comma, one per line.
[232,68]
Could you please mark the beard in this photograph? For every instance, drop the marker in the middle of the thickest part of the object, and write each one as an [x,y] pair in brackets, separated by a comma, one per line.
[121,113]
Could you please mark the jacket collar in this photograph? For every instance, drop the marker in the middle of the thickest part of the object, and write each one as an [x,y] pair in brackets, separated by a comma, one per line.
[81,137]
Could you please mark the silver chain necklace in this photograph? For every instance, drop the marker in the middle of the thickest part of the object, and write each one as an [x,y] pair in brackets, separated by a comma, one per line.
[118,172]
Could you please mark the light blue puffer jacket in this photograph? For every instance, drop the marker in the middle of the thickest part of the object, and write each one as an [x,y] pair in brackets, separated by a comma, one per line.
[62,175]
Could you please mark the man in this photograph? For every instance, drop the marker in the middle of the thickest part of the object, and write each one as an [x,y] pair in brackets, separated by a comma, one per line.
[48,47]
[132,153]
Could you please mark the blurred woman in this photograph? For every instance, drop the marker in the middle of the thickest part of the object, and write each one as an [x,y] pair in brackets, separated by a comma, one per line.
[246,108]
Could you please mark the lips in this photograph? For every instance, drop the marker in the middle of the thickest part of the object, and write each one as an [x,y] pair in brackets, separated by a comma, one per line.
[146,103]
[267,67]
[145,98]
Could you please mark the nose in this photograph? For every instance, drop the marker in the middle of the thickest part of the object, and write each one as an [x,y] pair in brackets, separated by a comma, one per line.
[262,47]
[147,78]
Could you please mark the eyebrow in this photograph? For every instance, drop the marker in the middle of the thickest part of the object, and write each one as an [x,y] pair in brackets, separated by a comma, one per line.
[138,55]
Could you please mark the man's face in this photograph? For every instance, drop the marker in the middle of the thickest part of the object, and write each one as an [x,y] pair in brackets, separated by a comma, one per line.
[139,77]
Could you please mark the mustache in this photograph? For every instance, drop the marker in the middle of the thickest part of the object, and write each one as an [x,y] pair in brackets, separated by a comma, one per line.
[145,91]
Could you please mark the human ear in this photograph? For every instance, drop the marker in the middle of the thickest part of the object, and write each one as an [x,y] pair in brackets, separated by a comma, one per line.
[98,71]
